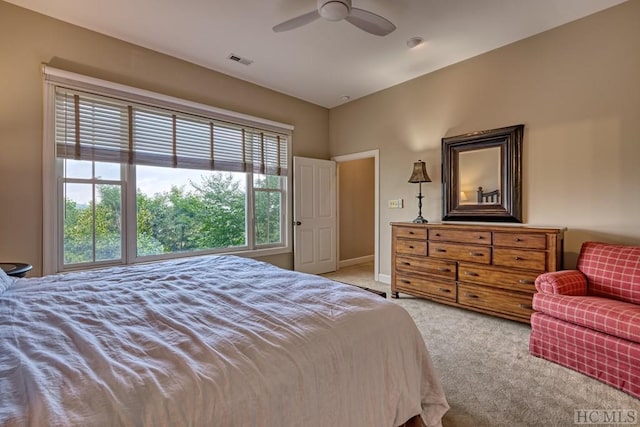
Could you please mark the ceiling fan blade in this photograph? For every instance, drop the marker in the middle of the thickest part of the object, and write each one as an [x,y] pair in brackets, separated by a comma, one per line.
[370,22]
[296,22]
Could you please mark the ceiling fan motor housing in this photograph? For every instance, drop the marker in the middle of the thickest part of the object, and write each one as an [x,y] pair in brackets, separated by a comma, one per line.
[334,10]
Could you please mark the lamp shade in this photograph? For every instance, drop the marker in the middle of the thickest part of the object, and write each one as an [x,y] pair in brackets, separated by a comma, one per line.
[419,173]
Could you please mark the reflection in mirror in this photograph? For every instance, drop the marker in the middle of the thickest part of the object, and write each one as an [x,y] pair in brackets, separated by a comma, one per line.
[482,175]
[479,169]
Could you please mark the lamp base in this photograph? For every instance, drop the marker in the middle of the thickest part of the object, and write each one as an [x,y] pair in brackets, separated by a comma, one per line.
[420,220]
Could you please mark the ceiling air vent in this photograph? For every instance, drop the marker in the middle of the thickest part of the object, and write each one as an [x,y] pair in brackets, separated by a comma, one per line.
[236,58]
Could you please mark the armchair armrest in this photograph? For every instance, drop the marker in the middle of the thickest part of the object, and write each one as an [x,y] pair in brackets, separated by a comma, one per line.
[565,282]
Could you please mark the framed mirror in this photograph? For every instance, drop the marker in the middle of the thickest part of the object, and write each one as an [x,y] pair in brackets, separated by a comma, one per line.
[482,175]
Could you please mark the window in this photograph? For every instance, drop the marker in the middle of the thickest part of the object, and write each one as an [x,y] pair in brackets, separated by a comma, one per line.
[92,209]
[268,209]
[185,211]
[140,180]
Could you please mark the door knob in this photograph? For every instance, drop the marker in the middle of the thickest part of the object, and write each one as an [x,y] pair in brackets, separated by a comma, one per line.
[297,223]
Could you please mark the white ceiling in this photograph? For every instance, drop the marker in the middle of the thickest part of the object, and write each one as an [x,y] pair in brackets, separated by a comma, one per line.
[322,61]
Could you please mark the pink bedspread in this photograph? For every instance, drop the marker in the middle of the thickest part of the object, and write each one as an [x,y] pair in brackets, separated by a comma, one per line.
[209,341]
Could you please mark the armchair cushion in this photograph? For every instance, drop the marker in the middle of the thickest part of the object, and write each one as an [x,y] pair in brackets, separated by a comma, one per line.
[565,282]
[613,271]
[617,318]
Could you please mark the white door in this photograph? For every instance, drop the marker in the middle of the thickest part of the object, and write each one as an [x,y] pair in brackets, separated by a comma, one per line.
[314,215]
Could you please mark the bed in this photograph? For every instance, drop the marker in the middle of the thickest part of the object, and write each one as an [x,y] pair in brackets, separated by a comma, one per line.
[208,341]
[492,197]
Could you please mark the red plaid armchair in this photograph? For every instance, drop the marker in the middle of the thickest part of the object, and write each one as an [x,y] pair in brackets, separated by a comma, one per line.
[589,319]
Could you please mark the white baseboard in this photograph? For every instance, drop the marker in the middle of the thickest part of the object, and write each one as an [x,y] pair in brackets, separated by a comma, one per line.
[384,278]
[355,261]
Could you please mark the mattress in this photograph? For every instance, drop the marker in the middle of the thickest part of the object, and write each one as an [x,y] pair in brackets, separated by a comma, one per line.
[212,340]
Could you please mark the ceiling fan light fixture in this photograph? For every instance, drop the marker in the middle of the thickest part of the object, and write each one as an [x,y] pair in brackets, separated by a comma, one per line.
[334,10]
[337,10]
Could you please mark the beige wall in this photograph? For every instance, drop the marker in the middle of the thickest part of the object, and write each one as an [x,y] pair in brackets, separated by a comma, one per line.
[577,90]
[28,39]
[357,202]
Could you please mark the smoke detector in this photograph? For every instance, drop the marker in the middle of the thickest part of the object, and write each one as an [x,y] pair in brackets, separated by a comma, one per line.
[414,42]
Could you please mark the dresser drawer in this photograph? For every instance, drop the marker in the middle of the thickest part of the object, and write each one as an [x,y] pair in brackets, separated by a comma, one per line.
[462,236]
[438,289]
[432,267]
[419,233]
[495,300]
[530,260]
[489,268]
[520,240]
[411,247]
[522,281]
[452,251]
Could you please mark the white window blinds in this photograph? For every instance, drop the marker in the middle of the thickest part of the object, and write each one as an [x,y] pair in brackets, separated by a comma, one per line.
[100,128]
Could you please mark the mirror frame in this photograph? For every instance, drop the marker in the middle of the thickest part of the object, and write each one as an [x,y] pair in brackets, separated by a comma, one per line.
[509,139]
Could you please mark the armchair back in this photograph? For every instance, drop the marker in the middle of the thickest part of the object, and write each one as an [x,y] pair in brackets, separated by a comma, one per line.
[612,271]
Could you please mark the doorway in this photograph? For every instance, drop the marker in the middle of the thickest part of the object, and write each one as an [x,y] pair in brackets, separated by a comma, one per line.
[358,209]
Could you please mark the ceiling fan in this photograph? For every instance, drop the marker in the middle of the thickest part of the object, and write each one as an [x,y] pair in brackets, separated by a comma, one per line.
[337,10]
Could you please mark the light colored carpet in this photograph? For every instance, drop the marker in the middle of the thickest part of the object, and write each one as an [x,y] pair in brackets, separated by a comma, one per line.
[487,373]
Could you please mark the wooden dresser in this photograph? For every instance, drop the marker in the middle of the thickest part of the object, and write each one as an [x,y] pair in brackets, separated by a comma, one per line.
[487,268]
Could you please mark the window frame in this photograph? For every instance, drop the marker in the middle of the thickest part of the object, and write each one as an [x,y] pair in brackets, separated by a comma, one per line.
[283,196]
[93,181]
[53,174]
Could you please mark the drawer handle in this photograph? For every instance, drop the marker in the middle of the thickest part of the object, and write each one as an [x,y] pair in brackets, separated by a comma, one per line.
[437,234]
[445,269]
[476,254]
[480,237]
[444,290]
[526,306]
[517,258]
[406,263]
[411,247]
[406,282]
[441,250]
[474,296]
[518,239]
[471,273]
[526,282]
[411,232]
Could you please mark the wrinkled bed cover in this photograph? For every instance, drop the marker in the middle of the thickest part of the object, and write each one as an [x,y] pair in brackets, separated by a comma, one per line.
[209,341]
